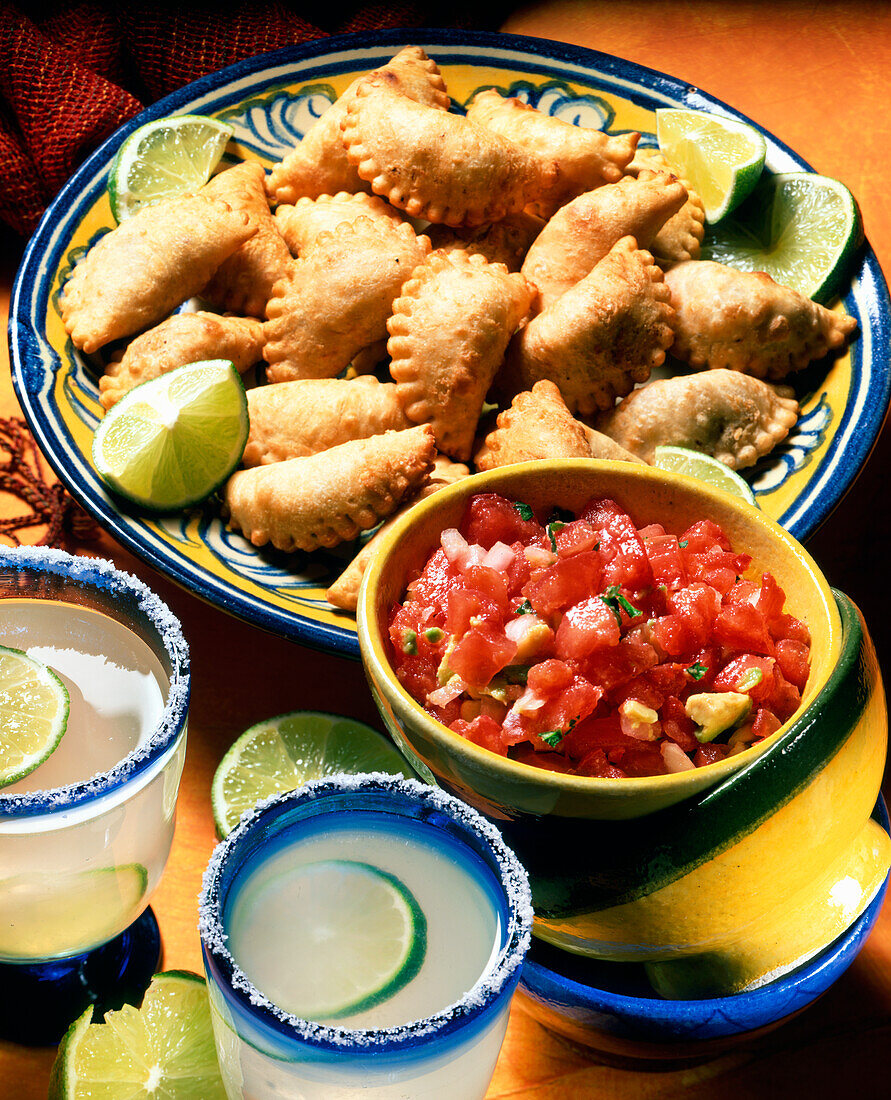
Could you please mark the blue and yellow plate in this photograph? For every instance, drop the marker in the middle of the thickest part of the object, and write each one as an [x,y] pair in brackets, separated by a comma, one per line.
[270,101]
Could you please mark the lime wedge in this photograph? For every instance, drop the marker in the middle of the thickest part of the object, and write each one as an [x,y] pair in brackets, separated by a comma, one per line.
[165,158]
[711,470]
[283,753]
[33,714]
[163,1049]
[719,157]
[801,228]
[358,937]
[171,441]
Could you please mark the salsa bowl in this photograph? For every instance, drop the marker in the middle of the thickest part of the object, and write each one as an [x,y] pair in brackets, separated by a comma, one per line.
[719,878]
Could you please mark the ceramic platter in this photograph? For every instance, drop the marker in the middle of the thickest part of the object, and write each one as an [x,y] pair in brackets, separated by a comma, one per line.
[271,101]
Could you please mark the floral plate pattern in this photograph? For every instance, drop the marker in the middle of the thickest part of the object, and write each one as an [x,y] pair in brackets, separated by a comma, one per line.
[270,101]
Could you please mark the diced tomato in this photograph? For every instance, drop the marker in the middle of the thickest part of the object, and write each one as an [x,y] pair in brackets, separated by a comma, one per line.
[489,583]
[793,659]
[765,723]
[703,535]
[593,733]
[480,654]
[596,765]
[492,518]
[483,731]
[666,559]
[565,583]
[465,605]
[549,761]
[709,754]
[699,605]
[620,543]
[433,585]
[586,627]
[742,628]
[575,538]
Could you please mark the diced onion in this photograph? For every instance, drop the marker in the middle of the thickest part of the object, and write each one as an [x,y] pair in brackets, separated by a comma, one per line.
[676,760]
[454,545]
[528,702]
[537,555]
[499,557]
[517,628]
[441,697]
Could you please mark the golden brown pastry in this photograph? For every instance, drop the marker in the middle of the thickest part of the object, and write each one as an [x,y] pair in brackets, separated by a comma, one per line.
[733,417]
[587,157]
[505,242]
[337,297]
[318,165]
[301,223]
[448,334]
[328,498]
[437,165]
[538,425]
[746,321]
[243,283]
[582,232]
[599,338]
[136,274]
[182,338]
[681,236]
[344,592]
[294,419]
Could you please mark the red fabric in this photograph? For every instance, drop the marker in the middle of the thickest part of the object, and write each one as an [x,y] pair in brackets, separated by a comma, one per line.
[72,72]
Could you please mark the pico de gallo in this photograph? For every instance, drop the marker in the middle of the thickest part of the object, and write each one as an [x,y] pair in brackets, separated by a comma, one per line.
[588,645]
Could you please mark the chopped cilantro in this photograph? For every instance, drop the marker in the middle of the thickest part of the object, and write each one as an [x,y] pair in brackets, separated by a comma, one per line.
[524,608]
[553,527]
[552,737]
[683,544]
[615,601]
[697,670]
[751,678]
[516,674]
[525,510]
[433,634]
[409,642]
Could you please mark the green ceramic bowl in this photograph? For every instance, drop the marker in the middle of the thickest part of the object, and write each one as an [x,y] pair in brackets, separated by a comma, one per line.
[719,879]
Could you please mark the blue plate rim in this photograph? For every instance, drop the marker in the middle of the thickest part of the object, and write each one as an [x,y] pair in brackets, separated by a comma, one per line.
[867,414]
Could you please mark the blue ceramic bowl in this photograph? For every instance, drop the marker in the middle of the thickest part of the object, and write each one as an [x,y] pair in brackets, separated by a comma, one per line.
[611,1008]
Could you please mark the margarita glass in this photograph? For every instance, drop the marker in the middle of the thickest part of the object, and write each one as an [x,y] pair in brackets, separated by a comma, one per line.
[269,948]
[84,837]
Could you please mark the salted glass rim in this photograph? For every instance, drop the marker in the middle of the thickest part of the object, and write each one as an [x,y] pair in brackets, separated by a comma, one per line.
[100,573]
[483,994]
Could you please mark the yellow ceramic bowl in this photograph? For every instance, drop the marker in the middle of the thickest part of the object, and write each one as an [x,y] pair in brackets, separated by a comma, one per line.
[720,878]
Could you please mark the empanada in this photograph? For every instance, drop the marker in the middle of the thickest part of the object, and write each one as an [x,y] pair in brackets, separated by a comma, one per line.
[505,242]
[732,416]
[344,593]
[301,223]
[244,282]
[587,157]
[294,419]
[328,498]
[337,297]
[746,321]
[599,338]
[182,338]
[681,236]
[436,165]
[538,425]
[448,334]
[136,274]
[584,230]
[318,165]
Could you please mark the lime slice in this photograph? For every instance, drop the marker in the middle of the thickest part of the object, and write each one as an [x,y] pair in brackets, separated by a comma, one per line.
[163,1049]
[41,910]
[33,714]
[165,158]
[682,460]
[170,442]
[358,937]
[801,228]
[719,157]
[283,753]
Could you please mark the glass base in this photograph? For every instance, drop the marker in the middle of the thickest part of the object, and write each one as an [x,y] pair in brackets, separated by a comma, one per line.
[38,1001]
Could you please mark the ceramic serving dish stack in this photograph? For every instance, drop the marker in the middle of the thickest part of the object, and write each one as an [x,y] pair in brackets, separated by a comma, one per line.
[715,882]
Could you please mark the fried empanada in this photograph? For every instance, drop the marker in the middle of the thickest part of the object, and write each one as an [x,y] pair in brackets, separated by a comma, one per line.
[294,419]
[337,297]
[448,334]
[746,321]
[584,230]
[301,223]
[681,237]
[599,338]
[732,416]
[344,593]
[244,282]
[328,498]
[318,165]
[505,242]
[587,157]
[136,274]
[182,338]
[538,425]
[436,165]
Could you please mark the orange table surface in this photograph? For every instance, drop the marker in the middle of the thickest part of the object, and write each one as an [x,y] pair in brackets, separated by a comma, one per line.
[815,75]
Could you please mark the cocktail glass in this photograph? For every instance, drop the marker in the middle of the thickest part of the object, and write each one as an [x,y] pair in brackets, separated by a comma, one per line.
[84,838]
[430,841]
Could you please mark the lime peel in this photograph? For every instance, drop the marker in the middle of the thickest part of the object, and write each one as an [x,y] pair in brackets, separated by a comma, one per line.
[706,468]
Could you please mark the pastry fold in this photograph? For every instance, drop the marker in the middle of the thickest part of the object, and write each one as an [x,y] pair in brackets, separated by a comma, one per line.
[302,223]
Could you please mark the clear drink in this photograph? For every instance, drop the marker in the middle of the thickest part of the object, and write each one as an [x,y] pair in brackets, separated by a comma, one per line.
[289,915]
[84,837]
